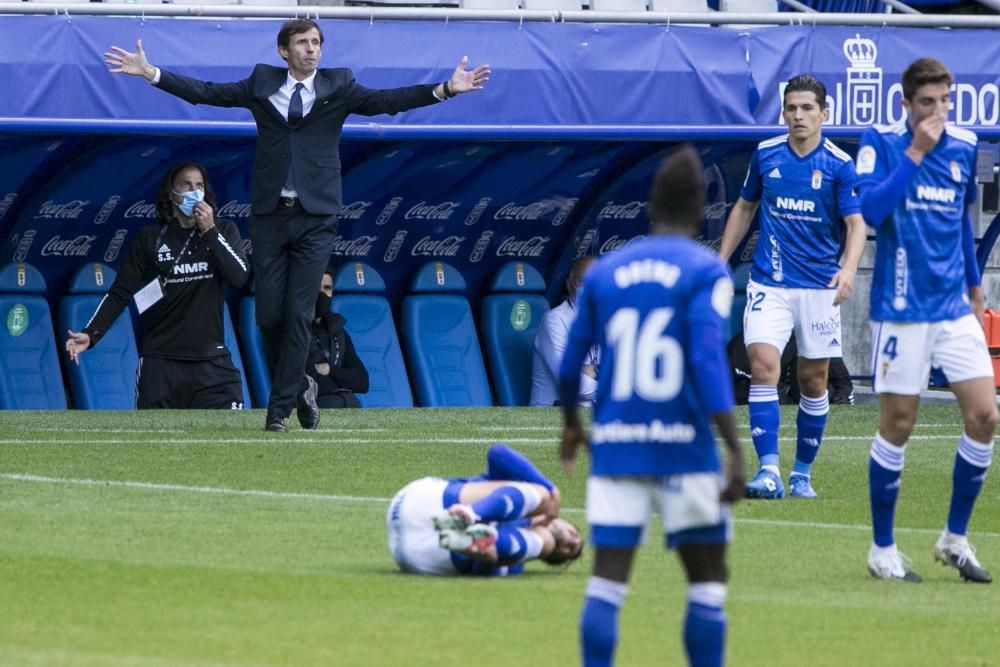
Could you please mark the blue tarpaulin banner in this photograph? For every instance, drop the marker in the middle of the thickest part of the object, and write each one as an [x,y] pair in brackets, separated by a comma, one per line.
[544,73]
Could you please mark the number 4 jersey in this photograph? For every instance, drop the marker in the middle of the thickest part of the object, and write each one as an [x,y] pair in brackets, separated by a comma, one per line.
[656,308]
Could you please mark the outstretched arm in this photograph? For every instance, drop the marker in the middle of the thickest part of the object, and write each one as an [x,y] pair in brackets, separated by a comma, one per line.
[190,90]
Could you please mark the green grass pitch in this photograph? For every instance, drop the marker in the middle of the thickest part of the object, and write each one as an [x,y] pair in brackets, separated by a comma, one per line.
[168,538]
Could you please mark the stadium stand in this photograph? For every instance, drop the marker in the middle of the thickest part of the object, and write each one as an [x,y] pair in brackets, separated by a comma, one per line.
[253,351]
[679,5]
[232,344]
[618,5]
[555,5]
[358,295]
[490,4]
[511,315]
[106,375]
[30,378]
[441,342]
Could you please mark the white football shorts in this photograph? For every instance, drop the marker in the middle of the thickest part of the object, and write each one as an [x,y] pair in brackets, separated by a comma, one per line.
[903,353]
[773,313]
[413,541]
[619,509]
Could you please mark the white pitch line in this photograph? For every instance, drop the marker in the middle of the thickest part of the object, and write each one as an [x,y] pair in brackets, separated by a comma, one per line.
[225,491]
[152,486]
[290,439]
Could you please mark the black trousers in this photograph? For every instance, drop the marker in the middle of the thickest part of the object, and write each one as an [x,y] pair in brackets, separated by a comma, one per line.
[180,384]
[291,249]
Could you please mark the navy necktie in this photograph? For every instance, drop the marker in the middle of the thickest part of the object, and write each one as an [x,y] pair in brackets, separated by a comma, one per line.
[295,105]
[294,116]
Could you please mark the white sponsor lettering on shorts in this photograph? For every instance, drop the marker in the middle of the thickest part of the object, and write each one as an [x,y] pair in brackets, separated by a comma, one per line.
[773,313]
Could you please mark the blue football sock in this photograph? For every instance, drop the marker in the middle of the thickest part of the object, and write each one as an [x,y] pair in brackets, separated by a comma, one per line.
[511,501]
[599,621]
[884,469]
[971,463]
[810,422]
[515,545]
[765,420]
[705,625]
[504,463]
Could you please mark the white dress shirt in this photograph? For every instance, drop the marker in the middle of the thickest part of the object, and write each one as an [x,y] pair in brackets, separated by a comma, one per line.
[550,345]
[283,96]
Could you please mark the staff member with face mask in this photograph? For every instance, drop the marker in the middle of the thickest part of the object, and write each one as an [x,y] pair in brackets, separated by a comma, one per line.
[176,272]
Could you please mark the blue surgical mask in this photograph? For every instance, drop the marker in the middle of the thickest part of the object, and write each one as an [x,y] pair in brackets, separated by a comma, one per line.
[188,200]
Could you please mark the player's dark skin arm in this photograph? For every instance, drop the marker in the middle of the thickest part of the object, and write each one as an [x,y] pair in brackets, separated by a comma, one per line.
[725,424]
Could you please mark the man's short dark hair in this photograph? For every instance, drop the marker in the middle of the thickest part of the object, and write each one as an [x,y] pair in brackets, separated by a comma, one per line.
[297,27]
[678,193]
[804,83]
[330,271]
[165,205]
[922,72]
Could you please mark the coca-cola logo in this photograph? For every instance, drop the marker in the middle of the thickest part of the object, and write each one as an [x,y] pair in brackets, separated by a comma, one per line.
[247,247]
[359,247]
[531,247]
[715,194]
[78,247]
[142,209]
[6,202]
[617,243]
[354,210]
[425,211]
[70,210]
[446,247]
[231,209]
[627,211]
[714,212]
[533,211]
[712,244]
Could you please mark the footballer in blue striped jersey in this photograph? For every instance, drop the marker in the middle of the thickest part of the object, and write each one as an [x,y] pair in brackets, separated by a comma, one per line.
[656,310]
[487,525]
[803,189]
[917,182]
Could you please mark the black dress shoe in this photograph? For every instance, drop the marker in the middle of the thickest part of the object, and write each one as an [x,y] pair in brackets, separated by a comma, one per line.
[306,408]
[275,425]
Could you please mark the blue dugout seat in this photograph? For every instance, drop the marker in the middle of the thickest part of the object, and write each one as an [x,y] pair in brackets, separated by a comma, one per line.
[511,315]
[358,295]
[30,377]
[106,375]
[741,275]
[229,340]
[441,342]
[253,352]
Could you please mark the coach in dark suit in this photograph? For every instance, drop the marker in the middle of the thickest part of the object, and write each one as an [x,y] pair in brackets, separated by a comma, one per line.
[296,193]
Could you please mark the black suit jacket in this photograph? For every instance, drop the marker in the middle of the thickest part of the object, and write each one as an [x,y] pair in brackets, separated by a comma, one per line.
[313,145]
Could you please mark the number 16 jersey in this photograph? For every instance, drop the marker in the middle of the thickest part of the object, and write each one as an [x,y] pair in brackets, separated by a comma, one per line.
[656,309]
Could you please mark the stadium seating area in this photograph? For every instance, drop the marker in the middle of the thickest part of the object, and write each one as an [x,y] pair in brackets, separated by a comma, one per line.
[441,338]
